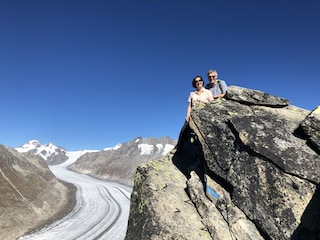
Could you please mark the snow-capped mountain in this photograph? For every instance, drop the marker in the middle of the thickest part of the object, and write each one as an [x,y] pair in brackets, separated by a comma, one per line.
[51,153]
[35,145]
[148,146]
[117,163]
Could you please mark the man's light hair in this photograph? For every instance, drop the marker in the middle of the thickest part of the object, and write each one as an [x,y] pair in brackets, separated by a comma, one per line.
[213,71]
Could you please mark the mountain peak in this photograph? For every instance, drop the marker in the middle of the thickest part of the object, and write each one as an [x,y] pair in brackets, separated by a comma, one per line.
[29,145]
[46,151]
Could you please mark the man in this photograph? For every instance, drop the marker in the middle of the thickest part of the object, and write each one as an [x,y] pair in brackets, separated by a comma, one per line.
[216,86]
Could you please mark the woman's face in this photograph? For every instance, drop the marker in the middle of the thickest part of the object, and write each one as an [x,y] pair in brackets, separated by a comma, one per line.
[199,82]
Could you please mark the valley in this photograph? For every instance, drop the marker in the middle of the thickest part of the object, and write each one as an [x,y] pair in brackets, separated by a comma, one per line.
[101,210]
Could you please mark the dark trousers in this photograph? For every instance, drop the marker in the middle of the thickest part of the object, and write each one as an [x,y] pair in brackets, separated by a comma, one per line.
[183,136]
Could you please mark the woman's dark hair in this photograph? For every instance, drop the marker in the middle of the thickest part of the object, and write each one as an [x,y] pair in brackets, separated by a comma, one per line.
[194,81]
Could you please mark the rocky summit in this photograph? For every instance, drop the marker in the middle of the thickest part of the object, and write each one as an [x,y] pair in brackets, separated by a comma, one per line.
[249,169]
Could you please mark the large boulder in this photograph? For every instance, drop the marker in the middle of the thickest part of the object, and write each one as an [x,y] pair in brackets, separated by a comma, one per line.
[250,167]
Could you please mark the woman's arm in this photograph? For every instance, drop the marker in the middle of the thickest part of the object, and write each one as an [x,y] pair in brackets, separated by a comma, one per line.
[188,111]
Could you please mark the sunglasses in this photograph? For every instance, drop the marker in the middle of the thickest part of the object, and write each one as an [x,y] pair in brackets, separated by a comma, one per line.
[196,81]
[211,76]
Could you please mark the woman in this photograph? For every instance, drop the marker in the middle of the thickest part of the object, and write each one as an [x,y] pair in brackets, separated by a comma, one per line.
[199,95]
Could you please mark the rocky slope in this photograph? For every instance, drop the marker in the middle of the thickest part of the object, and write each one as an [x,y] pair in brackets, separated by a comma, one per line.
[119,163]
[249,169]
[30,194]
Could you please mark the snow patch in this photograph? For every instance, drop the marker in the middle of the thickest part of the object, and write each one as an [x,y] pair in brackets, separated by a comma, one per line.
[145,149]
[113,148]
[167,148]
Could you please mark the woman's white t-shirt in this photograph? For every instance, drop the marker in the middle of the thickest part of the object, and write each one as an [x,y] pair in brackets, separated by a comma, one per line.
[204,96]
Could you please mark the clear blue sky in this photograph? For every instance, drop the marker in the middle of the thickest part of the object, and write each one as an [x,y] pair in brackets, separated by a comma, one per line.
[91,74]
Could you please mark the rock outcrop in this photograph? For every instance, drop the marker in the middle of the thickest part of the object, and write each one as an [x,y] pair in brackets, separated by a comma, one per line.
[249,169]
[30,195]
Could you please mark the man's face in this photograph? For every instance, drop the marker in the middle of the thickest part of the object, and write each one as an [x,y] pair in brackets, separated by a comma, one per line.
[212,78]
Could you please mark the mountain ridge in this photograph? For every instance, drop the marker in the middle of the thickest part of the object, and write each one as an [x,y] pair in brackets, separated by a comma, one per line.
[49,150]
[120,164]
[117,163]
